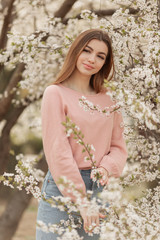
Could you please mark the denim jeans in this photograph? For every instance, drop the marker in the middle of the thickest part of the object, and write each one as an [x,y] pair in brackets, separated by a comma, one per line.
[48,214]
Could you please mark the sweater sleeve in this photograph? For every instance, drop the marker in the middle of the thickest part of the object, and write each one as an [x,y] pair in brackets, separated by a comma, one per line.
[56,146]
[115,160]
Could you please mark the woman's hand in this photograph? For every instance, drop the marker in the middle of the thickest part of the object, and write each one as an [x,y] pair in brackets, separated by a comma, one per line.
[104,173]
[90,218]
[105,176]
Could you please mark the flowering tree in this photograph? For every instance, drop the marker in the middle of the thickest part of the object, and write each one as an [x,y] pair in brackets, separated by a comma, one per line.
[30,61]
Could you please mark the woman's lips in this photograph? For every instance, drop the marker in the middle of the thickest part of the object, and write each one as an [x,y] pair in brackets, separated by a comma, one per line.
[87,66]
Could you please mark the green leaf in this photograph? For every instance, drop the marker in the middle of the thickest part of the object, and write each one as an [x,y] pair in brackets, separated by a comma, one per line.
[136,61]
[30,47]
[123,31]
[2,178]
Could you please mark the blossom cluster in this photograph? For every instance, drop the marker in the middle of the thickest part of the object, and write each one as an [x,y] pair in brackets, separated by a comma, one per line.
[132,220]
[89,106]
[125,219]
[25,176]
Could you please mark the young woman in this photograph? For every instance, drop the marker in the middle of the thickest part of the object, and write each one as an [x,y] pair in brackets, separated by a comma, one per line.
[88,62]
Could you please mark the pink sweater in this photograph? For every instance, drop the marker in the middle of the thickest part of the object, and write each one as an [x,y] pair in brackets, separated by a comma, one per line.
[63,154]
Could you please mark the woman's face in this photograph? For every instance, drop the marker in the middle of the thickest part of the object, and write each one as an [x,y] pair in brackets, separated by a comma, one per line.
[92,58]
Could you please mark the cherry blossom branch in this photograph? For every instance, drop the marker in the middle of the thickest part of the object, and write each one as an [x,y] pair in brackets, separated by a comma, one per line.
[89,106]
[25,177]
[72,128]
[77,134]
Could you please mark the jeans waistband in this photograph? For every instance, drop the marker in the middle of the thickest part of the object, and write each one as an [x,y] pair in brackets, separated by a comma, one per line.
[84,172]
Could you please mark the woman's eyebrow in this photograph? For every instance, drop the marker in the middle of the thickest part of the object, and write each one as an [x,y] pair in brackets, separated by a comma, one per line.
[98,52]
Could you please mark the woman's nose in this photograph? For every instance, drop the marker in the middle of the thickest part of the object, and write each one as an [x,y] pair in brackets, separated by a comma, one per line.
[91,58]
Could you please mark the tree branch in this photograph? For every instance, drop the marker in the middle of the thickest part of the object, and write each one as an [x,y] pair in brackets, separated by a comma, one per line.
[6,24]
[103,13]
[5,102]
[65,8]
[109,12]
[158,13]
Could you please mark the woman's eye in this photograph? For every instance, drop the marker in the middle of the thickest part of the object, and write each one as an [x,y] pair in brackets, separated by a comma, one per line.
[101,57]
[86,50]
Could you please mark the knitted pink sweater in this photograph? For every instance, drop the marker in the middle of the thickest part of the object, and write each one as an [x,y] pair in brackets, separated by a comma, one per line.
[63,154]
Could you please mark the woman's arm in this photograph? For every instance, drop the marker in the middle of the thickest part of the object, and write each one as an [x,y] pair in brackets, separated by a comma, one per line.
[115,160]
[56,146]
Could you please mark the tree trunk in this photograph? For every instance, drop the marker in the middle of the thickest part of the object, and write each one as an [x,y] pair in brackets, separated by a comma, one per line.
[5,137]
[15,208]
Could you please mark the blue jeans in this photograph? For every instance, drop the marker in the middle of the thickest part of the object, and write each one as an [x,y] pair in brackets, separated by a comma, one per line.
[48,214]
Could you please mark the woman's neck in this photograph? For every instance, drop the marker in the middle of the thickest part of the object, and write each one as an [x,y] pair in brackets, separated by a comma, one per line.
[79,83]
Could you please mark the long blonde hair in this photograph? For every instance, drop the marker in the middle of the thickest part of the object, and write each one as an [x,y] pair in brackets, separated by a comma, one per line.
[106,72]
